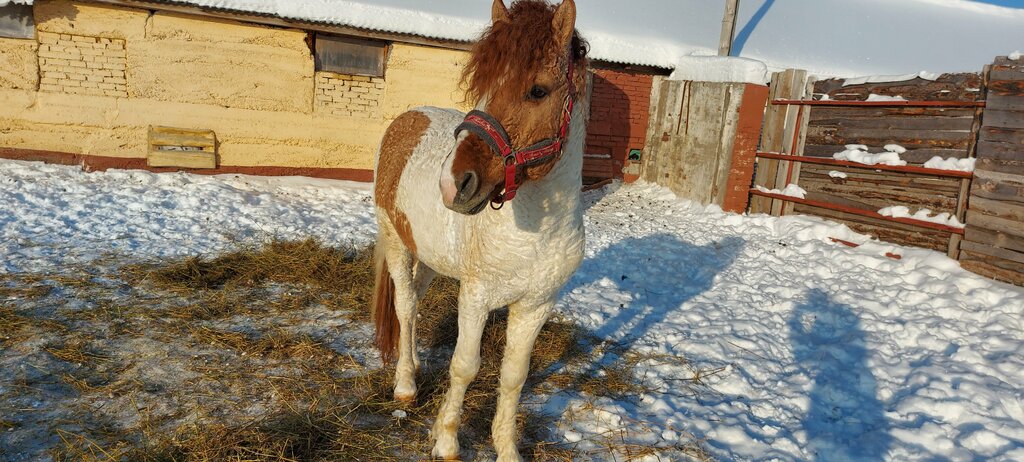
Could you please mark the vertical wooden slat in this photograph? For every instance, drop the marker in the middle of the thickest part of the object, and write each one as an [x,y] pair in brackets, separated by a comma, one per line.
[779,121]
[797,145]
[953,250]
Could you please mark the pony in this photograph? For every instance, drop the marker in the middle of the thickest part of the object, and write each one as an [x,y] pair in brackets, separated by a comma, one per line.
[437,170]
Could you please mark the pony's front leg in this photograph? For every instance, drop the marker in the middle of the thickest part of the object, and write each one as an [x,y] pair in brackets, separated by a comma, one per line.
[465,365]
[524,324]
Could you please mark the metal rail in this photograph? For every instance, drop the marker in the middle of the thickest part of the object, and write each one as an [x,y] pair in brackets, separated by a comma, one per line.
[861,212]
[830,102]
[845,163]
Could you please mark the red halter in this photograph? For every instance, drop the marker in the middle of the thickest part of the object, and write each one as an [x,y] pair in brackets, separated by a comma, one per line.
[491,131]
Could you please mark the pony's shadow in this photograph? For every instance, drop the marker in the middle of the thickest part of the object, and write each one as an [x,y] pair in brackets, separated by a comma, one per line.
[658,273]
[652,276]
[845,420]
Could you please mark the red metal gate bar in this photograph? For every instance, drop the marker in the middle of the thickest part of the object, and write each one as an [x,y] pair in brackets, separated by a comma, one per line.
[830,102]
[861,212]
[845,163]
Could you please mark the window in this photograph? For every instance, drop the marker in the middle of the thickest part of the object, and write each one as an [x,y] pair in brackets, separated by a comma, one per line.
[350,55]
[16,21]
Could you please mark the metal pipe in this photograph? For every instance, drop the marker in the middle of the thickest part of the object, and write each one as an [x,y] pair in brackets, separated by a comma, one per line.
[890,168]
[811,102]
[861,212]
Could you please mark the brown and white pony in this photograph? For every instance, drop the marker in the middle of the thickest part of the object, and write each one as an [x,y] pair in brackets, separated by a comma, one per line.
[521,151]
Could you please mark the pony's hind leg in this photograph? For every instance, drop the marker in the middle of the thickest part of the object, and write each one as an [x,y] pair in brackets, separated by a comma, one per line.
[396,266]
[422,276]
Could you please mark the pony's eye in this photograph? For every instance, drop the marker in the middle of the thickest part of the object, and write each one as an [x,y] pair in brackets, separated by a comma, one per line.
[538,92]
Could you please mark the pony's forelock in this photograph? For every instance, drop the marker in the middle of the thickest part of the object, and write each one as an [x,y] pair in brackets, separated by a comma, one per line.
[512,52]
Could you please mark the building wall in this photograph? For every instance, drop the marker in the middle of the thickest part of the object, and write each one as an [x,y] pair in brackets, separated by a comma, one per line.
[110,72]
[618,120]
[253,85]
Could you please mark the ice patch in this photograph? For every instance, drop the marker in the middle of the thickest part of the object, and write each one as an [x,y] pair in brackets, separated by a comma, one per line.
[952,163]
[900,211]
[791,190]
[858,153]
[889,78]
[836,174]
[720,69]
[874,97]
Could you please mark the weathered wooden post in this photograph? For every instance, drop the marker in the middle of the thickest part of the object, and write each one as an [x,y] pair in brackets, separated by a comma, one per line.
[728,27]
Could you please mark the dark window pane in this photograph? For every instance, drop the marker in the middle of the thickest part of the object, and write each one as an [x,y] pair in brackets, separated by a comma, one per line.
[16,21]
[350,56]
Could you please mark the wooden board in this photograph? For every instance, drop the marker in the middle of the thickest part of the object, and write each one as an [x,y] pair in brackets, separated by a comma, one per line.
[897,233]
[995,268]
[994,238]
[1000,118]
[947,87]
[1002,135]
[998,186]
[181,147]
[691,137]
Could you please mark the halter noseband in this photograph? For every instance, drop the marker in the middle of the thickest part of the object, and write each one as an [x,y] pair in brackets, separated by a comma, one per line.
[490,130]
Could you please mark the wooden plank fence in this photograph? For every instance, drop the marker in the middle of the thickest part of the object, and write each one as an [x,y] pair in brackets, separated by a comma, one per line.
[939,119]
[994,237]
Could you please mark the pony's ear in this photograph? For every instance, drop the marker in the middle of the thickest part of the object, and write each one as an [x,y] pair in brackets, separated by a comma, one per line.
[565,22]
[499,12]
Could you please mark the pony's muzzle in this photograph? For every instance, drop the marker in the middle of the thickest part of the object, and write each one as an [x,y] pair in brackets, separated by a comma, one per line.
[469,184]
[465,189]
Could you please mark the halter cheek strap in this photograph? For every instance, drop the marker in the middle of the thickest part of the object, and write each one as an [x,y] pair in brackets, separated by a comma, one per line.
[490,130]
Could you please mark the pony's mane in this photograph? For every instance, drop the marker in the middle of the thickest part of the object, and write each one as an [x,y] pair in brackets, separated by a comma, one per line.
[513,51]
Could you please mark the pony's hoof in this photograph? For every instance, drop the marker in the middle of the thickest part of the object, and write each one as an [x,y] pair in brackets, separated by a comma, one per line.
[406,394]
[446,449]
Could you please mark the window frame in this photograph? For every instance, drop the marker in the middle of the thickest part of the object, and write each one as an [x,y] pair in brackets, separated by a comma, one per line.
[320,66]
[9,24]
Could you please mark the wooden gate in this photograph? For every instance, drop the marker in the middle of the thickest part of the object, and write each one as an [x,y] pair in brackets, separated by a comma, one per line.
[928,118]
[957,116]
[701,139]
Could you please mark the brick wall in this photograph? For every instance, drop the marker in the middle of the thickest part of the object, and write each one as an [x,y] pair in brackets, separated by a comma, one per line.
[348,95]
[82,65]
[618,120]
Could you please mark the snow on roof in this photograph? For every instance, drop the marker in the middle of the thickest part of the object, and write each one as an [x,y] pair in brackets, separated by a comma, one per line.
[844,38]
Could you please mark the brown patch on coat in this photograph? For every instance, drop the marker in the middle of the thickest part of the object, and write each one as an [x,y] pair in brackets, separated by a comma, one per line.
[400,139]
[528,46]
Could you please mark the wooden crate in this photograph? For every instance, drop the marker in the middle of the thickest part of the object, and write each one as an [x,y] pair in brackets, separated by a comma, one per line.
[181,147]
[993,242]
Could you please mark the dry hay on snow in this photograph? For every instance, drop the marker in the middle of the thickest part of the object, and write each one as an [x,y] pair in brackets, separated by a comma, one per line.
[258,354]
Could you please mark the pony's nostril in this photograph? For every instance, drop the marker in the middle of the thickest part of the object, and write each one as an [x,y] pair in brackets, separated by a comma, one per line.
[467,187]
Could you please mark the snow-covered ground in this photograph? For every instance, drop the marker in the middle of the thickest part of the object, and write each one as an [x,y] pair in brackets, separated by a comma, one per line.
[807,349]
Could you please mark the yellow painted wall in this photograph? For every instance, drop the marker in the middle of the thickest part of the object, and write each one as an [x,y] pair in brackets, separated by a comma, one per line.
[18,65]
[253,85]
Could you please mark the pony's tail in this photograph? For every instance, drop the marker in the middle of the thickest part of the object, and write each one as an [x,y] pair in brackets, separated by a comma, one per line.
[385,320]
